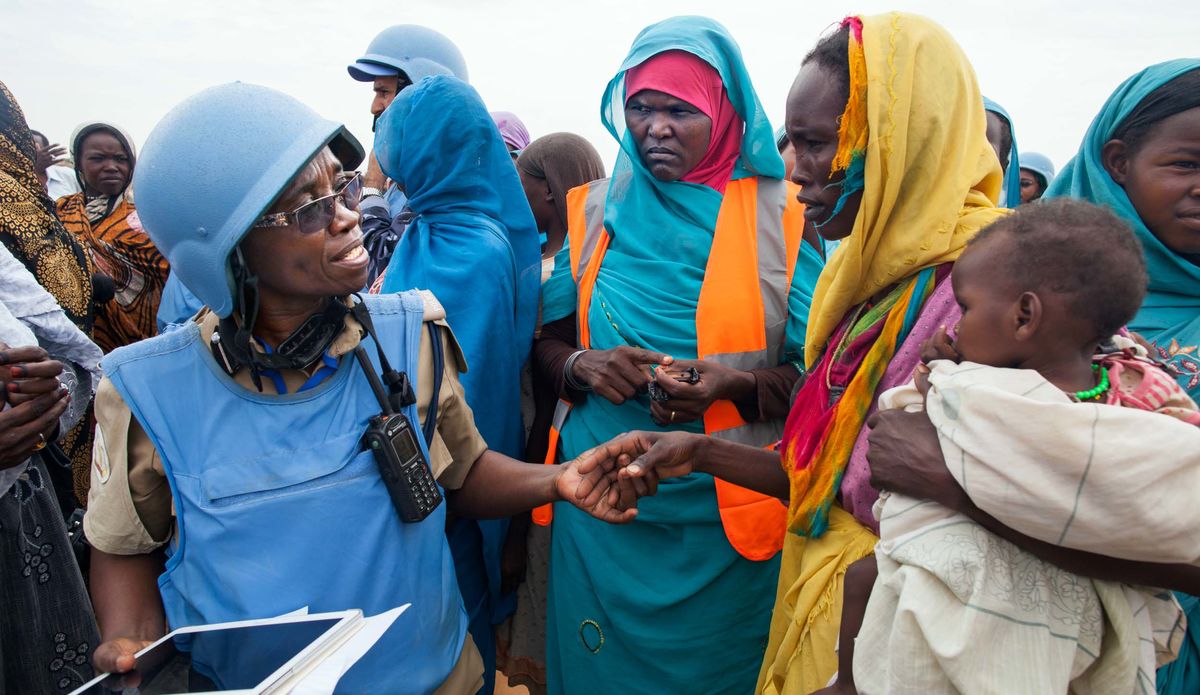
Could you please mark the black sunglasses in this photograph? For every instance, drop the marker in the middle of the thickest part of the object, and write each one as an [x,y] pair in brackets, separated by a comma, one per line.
[315,215]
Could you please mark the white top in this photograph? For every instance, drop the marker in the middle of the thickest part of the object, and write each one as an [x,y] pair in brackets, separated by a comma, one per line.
[61,181]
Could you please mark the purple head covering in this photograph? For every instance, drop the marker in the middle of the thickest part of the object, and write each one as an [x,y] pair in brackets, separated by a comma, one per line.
[516,137]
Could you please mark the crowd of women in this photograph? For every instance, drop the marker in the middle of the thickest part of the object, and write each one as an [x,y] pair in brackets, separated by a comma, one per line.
[730,346]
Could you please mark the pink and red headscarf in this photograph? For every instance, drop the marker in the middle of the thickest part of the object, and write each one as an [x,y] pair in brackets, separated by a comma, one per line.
[688,77]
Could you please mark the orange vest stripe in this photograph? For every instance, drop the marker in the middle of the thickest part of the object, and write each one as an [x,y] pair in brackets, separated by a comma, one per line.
[586,284]
[577,219]
[730,319]
[729,313]
[731,325]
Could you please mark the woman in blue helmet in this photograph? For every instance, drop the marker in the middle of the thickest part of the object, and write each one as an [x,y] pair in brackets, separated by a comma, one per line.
[396,58]
[1037,173]
[236,441]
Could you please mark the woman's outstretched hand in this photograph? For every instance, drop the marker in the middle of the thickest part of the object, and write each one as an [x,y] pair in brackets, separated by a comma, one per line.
[642,458]
[608,480]
[591,482]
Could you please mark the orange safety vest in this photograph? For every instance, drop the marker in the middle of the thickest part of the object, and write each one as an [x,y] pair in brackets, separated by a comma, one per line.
[741,318]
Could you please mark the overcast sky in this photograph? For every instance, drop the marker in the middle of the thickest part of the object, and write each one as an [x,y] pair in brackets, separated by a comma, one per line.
[1051,64]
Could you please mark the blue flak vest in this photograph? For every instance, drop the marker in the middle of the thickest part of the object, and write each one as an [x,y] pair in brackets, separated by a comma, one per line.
[279,506]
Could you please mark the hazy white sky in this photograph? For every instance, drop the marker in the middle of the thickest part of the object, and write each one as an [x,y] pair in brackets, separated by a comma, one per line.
[1051,64]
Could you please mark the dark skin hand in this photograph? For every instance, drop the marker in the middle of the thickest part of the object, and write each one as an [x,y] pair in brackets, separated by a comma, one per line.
[617,374]
[936,347]
[499,486]
[649,456]
[128,607]
[30,387]
[906,457]
[689,402]
[46,157]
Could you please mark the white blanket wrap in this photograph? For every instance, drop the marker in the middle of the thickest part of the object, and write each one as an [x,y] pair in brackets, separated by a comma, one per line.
[958,609]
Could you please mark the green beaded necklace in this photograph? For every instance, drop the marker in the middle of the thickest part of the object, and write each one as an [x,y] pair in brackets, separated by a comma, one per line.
[1098,389]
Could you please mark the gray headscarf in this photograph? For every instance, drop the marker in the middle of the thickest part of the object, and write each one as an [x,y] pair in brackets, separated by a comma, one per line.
[564,161]
[99,206]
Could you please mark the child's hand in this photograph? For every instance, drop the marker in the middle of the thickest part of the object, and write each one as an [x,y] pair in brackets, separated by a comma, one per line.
[939,347]
[921,378]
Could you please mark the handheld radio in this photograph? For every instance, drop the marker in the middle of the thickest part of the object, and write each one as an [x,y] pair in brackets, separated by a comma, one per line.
[393,441]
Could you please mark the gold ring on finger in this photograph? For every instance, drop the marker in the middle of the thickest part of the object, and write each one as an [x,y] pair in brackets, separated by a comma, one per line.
[672,416]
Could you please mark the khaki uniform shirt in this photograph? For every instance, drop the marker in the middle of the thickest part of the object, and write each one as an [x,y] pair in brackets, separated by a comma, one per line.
[130,509]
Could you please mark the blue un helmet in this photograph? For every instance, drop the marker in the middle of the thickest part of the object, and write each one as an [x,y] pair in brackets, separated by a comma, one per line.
[213,165]
[1039,164]
[410,50]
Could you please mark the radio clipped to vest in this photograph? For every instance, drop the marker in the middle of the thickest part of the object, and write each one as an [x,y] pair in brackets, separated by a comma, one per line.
[392,438]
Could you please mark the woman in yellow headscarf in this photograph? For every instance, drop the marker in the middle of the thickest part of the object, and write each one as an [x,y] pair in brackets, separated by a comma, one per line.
[891,151]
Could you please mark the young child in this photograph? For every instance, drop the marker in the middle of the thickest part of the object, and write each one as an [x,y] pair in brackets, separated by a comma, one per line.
[956,608]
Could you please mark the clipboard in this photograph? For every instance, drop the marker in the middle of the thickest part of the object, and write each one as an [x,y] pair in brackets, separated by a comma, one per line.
[250,657]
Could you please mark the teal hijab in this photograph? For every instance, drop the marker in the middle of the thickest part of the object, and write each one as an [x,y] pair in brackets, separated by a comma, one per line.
[639,207]
[1170,316]
[1012,175]
[638,608]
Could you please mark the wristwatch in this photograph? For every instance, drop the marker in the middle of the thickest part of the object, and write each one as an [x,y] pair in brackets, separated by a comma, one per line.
[368,190]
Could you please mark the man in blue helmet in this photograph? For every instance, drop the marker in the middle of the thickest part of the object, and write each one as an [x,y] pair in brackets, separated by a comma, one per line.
[244,443]
[397,57]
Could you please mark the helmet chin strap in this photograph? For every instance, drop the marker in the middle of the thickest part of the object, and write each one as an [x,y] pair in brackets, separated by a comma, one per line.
[302,348]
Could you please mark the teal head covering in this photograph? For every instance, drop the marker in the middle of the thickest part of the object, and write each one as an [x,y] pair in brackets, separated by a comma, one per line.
[1012,175]
[1170,316]
[635,194]
[663,229]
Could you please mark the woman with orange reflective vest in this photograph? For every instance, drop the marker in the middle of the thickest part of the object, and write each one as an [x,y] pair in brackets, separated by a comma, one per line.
[686,266]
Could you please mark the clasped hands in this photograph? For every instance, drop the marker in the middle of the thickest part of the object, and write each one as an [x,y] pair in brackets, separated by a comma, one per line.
[31,401]
[608,480]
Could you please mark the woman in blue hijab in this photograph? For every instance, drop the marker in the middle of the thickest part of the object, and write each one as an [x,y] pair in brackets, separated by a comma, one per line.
[627,308]
[1004,140]
[1141,158]
[474,243]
